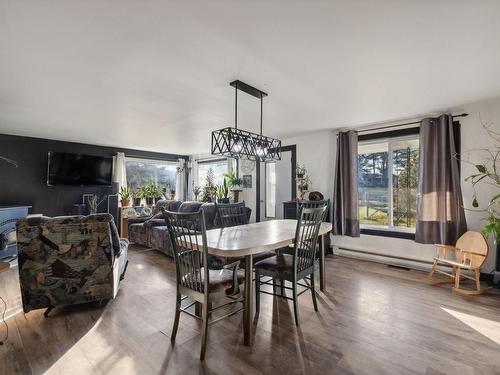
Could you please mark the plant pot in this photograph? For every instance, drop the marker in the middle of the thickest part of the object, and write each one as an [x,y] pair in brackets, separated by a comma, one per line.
[137,201]
[223,200]
[158,199]
[125,202]
[149,201]
[300,175]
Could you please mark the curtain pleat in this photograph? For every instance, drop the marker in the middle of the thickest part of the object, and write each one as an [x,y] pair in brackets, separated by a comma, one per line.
[180,182]
[440,212]
[345,195]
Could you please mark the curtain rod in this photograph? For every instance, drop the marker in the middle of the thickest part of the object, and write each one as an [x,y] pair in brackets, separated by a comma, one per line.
[404,124]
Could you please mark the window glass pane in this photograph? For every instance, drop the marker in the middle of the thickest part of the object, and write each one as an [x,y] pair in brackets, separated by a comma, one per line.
[140,171]
[219,167]
[373,187]
[405,182]
[270,190]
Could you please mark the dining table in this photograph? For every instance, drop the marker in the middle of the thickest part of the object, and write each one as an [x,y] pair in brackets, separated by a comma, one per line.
[255,238]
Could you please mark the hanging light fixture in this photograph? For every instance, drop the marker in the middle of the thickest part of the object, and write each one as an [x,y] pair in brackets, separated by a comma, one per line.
[241,144]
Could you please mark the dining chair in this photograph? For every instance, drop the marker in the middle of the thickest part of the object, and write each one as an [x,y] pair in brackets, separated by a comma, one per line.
[469,254]
[294,267]
[232,214]
[194,280]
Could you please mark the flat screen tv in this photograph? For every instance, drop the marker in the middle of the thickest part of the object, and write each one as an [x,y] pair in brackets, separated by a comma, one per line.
[79,170]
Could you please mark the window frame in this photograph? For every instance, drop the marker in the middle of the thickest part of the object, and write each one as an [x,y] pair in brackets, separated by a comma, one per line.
[390,137]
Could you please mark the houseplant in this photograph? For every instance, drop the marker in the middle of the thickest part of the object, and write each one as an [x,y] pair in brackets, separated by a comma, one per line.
[300,170]
[302,180]
[223,192]
[196,191]
[234,184]
[125,196]
[136,197]
[209,191]
[150,192]
[488,173]
[93,203]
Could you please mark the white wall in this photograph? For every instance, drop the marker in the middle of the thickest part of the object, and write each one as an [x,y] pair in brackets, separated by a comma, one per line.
[317,151]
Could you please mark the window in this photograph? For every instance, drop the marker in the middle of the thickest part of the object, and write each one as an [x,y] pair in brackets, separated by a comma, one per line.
[140,171]
[388,183]
[270,190]
[219,167]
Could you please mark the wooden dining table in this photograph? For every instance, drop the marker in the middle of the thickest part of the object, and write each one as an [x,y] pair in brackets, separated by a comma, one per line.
[256,238]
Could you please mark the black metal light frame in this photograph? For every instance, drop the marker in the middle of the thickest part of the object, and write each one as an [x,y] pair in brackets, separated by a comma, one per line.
[237,143]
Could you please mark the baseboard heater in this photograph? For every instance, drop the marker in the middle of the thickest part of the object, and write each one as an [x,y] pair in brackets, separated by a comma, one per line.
[399,261]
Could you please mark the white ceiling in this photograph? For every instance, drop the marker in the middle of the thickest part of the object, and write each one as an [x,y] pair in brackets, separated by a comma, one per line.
[155,75]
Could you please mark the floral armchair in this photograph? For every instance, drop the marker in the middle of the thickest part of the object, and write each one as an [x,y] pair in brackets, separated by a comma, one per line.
[69,260]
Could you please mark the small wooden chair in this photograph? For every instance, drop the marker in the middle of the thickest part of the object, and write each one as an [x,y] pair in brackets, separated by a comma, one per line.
[469,253]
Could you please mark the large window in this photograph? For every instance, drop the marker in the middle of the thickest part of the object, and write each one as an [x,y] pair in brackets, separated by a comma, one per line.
[270,190]
[140,171]
[219,167]
[388,183]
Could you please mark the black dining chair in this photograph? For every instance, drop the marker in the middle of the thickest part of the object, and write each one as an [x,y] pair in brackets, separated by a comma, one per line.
[294,267]
[194,279]
[232,214]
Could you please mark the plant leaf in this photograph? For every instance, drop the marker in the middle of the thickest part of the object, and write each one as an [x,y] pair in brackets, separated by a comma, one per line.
[481,168]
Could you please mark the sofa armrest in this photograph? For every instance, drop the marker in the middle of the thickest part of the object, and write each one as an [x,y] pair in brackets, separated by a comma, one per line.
[137,220]
[155,223]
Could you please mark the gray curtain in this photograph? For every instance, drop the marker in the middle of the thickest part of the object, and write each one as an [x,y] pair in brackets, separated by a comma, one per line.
[345,194]
[440,212]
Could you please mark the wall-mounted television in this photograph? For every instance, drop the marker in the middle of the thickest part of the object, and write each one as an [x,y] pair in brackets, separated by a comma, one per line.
[79,170]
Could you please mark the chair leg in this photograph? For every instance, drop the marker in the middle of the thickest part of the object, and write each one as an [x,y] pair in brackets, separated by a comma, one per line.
[478,282]
[282,284]
[177,316]
[47,312]
[257,293]
[295,303]
[433,269]
[274,285]
[457,278]
[313,292]
[204,330]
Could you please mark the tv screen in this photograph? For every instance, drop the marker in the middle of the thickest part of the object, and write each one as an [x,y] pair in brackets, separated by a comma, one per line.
[79,170]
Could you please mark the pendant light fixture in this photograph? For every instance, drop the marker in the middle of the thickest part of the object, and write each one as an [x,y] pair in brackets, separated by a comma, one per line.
[241,144]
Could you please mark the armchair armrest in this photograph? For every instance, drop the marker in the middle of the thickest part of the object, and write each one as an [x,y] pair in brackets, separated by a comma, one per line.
[442,249]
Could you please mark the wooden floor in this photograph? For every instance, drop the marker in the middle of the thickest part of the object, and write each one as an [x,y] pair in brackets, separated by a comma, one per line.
[373,320]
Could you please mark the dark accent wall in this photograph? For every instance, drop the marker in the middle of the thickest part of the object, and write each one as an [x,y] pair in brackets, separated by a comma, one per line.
[27,184]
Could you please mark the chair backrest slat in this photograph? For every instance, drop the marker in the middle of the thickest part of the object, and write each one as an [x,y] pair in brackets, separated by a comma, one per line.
[232,214]
[313,204]
[188,235]
[306,237]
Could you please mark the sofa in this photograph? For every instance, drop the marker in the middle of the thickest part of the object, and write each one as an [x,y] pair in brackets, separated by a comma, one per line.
[69,260]
[153,232]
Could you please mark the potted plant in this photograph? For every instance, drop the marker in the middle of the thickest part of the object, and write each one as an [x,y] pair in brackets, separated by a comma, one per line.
[222,193]
[300,170]
[209,191]
[93,203]
[136,197]
[150,192]
[234,184]
[488,173]
[125,196]
[196,191]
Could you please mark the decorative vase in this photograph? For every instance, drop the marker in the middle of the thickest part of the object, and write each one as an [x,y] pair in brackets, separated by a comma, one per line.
[125,202]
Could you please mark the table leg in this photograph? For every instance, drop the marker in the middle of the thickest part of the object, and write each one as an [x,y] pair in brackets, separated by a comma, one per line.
[248,312]
[321,240]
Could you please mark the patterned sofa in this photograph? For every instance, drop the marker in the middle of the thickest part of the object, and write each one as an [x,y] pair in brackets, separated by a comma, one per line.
[155,232]
[69,260]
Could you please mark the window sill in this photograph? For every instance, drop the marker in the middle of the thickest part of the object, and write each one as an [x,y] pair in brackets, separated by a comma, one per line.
[388,233]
